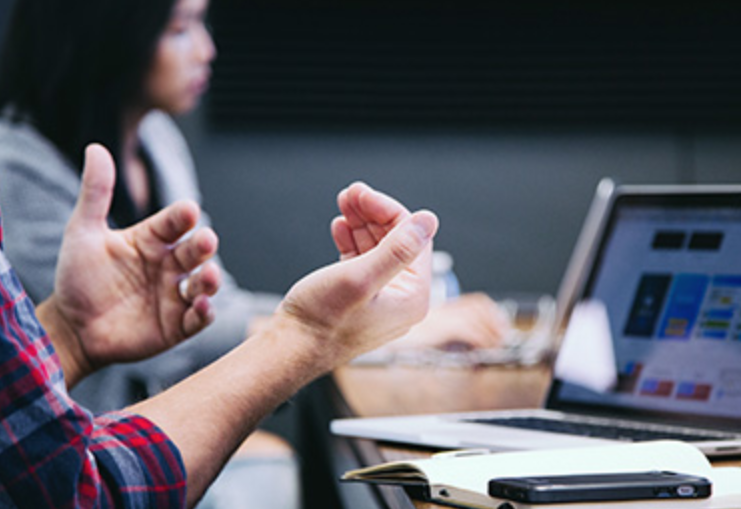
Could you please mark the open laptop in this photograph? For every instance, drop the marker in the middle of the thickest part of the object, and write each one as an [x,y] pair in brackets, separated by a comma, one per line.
[664,263]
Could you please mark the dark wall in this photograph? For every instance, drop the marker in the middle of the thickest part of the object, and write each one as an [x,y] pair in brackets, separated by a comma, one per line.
[511,204]
[5,6]
[530,63]
[502,118]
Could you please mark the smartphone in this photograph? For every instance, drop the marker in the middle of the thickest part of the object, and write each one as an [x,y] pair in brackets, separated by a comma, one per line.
[547,489]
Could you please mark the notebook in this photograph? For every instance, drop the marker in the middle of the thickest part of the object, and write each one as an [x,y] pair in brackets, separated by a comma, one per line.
[662,264]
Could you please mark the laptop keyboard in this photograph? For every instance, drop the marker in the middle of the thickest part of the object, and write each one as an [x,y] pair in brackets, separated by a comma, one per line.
[596,430]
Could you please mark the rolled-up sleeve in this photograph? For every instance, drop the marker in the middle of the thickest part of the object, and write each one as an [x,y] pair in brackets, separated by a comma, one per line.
[56,454]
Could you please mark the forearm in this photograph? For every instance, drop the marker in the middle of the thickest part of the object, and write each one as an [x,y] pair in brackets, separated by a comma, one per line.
[209,414]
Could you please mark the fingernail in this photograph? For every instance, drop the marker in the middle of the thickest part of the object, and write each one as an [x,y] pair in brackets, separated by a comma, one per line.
[425,223]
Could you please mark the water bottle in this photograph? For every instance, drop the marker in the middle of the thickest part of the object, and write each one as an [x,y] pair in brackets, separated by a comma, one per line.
[445,284]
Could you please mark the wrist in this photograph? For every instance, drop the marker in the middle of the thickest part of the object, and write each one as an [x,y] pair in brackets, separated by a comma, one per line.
[66,341]
[307,345]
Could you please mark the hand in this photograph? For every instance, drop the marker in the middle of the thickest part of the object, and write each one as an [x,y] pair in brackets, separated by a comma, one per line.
[381,285]
[117,291]
[379,289]
[470,321]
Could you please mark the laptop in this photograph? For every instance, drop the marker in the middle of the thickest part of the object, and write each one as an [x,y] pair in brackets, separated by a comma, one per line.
[663,264]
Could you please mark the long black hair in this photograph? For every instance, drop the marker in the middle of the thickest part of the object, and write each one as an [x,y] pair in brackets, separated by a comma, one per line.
[74,67]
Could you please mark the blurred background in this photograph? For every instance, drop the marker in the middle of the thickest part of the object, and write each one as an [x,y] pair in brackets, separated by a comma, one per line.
[500,116]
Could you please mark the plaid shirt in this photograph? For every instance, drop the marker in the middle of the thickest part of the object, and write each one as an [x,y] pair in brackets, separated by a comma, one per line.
[55,454]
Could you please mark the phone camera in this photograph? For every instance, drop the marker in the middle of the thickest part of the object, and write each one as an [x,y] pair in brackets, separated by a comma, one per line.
[686,490]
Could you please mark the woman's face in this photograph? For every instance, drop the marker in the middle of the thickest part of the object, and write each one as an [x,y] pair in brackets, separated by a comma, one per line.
[181,67]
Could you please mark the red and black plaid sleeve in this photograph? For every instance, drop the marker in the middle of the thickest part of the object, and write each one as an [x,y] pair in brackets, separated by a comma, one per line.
[54,453]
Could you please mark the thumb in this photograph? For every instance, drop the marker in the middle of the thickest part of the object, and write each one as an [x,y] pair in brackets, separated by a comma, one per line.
[401,247]
[96,192]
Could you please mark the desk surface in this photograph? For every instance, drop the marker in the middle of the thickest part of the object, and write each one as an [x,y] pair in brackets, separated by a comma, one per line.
[375,391]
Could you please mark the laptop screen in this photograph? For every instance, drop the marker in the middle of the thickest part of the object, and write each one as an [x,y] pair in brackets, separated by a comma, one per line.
[667,273]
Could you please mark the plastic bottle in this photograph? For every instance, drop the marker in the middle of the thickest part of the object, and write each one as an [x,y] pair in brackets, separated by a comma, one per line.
[445,284]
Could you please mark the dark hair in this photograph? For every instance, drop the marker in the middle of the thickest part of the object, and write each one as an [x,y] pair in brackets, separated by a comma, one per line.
[73,67]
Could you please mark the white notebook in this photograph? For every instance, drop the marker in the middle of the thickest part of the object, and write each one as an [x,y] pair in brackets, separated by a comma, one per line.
[461,478]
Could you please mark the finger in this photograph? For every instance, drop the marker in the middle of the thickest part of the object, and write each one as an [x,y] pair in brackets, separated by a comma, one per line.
[346,208]
[204,282]
[380,208]
[363,205]
[196,249]
[370,214]
[401,247]
[96,191]
[198,316]
[363,239]
[169,224]
[351,209]
[343,238]
[379,211]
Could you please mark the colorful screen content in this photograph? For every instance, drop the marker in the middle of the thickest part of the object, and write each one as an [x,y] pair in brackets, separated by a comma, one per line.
[670,281]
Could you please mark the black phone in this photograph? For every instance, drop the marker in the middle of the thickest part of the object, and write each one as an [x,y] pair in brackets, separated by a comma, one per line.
[547,489]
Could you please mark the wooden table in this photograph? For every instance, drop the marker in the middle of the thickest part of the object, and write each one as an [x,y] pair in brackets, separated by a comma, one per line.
[393,390]
[369,391]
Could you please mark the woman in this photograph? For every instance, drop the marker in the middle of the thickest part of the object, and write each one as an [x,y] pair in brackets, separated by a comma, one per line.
[111,71]
[73,73]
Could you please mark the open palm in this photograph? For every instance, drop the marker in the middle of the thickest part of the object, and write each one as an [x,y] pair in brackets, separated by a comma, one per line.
[380,286]
[118,289]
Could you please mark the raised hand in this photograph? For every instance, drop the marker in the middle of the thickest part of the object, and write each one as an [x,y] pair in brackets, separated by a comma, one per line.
[380,287]
[376,292]
[117,292]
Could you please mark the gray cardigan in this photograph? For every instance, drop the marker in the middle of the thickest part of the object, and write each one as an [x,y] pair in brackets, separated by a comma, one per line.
[38,190]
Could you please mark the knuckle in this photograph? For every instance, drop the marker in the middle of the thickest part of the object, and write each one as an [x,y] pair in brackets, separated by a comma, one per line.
[405,250]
